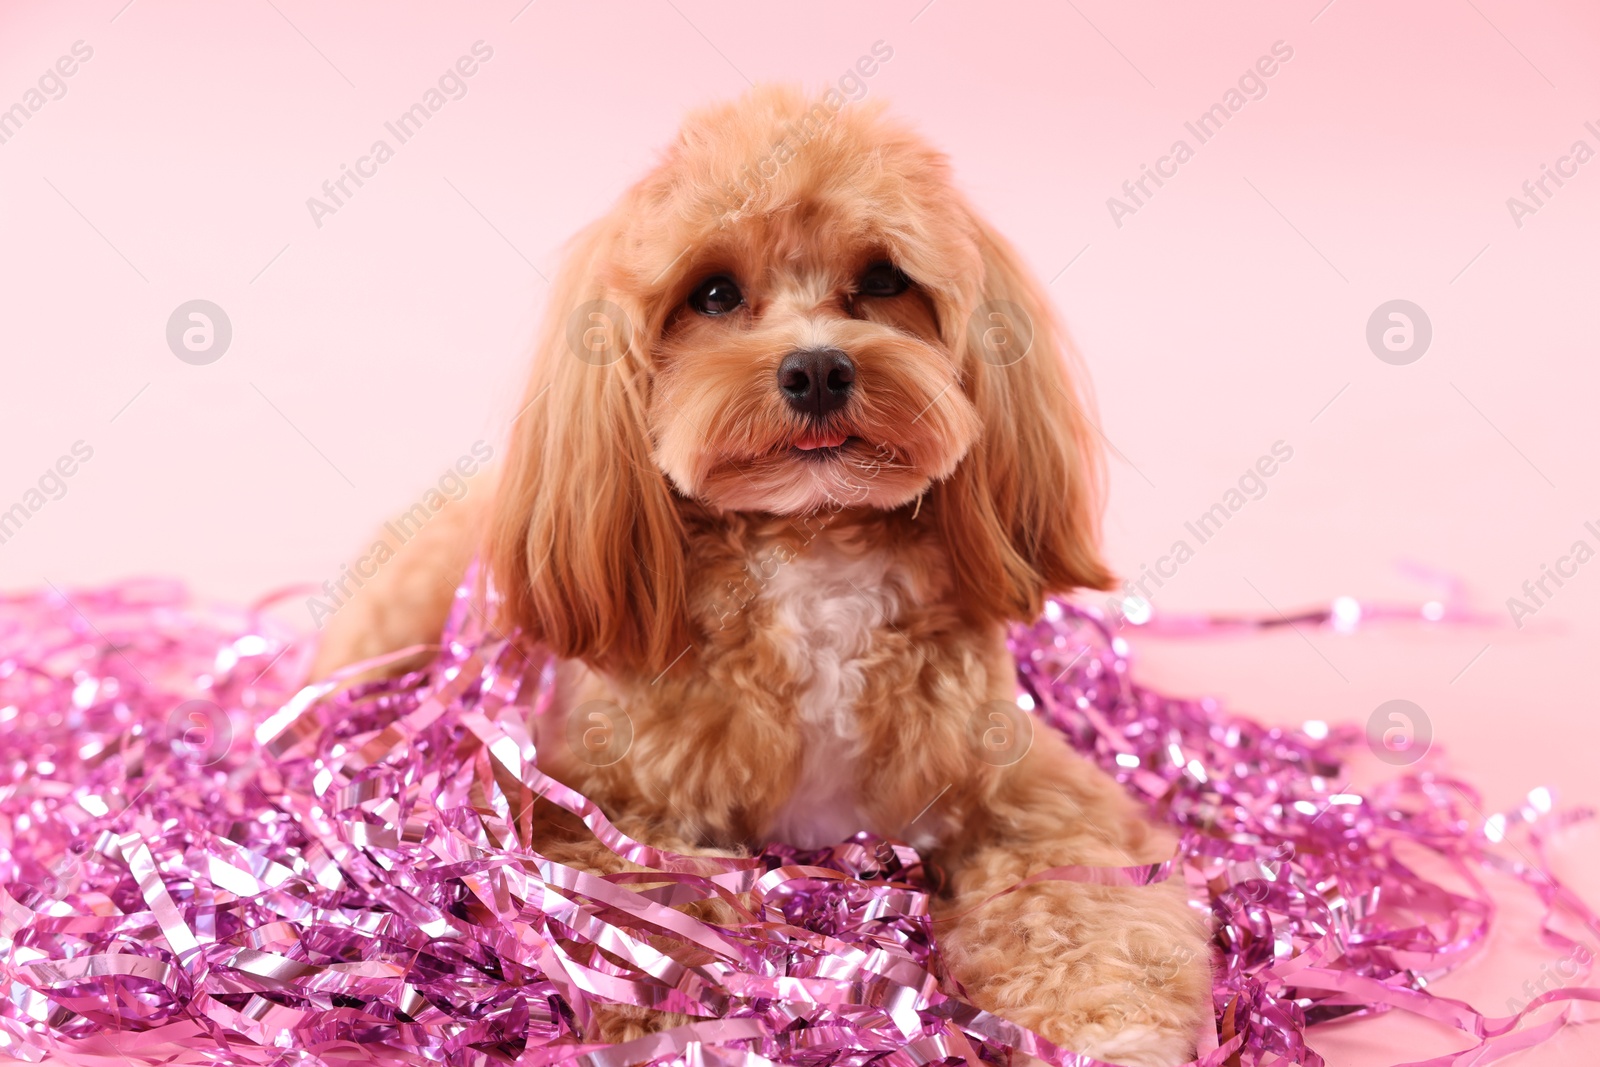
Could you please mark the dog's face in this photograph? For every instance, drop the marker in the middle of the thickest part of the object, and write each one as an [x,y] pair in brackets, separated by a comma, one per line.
[801,364]
[798,269]
[796,311]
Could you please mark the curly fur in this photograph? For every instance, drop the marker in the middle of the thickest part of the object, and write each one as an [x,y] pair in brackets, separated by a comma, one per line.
[804,643]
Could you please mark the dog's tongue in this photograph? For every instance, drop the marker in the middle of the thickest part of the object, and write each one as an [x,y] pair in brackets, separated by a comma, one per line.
[819,439]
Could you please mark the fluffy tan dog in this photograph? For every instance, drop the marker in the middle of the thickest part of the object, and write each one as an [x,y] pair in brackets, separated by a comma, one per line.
[800,441]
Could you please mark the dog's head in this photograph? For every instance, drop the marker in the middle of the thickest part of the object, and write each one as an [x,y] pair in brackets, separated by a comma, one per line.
[794,311]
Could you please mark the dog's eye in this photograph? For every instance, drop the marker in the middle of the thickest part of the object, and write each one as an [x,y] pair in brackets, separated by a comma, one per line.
[883,279]
[716,296]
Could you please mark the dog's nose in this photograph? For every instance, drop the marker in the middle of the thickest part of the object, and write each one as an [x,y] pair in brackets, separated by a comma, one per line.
[817,381]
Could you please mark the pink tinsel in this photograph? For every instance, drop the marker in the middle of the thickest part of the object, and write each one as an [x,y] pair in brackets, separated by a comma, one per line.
[199,865]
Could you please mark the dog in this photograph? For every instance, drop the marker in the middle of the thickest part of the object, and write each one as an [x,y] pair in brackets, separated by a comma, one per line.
[801,439]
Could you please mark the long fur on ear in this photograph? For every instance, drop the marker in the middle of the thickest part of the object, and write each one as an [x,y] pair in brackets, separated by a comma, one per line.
[585,546]
[1021,513]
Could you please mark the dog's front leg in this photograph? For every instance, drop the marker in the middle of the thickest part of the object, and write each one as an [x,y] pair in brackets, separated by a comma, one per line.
[1120,973]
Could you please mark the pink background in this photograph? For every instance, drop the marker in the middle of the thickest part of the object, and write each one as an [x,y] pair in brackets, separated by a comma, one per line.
[1228,313]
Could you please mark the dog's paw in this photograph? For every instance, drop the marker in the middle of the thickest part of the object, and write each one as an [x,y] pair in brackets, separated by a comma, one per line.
[1135,1046]
[615,1024]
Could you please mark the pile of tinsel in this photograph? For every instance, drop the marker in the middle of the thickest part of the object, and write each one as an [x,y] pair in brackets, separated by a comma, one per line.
[199,864]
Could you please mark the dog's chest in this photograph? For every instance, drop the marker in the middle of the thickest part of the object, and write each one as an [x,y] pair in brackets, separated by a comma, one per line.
[825,609]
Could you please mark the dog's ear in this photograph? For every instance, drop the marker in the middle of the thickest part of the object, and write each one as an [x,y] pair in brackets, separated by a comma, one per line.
[586,547]
[1021,512]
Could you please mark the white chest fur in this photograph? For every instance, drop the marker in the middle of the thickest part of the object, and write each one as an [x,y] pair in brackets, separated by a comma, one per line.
[827,606]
